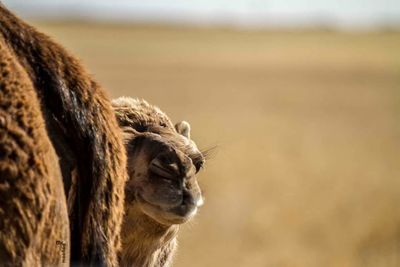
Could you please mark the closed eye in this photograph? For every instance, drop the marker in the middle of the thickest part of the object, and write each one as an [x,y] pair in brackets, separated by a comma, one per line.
[166,171]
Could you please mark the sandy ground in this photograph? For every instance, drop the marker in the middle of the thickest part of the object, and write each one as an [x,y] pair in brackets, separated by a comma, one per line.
[307,125]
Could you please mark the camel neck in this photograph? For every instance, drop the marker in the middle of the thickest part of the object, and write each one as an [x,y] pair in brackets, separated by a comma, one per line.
[145,242]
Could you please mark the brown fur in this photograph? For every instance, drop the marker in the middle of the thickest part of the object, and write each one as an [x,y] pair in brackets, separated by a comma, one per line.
[150,226]
[33,215]
[46,94]
[146,242]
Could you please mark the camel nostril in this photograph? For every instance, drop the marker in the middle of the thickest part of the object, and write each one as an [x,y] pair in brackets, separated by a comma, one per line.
[187,199]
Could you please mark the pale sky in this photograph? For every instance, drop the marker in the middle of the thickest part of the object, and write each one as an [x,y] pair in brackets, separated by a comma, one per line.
[336,13]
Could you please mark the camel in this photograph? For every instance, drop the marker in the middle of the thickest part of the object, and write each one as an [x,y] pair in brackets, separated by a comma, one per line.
[57,129]
[162,190]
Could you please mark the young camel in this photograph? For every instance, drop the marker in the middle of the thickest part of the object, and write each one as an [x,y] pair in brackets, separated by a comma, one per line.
[162,190]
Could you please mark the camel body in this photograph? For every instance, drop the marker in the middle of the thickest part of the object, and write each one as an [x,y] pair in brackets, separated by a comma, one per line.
[57,132]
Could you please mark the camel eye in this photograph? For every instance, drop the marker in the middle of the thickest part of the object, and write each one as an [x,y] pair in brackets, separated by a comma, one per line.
[167,180]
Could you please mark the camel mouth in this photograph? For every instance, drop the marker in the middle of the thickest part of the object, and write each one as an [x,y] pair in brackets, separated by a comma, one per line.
[184,211]
[167,216]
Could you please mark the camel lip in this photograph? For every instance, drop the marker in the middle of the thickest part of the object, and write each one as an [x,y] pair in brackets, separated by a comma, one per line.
[184,211]
[175,215]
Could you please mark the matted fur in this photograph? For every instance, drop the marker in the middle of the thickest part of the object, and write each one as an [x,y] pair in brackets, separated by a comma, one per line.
[46,93]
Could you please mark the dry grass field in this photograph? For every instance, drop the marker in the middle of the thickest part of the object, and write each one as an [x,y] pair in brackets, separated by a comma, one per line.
[307,124]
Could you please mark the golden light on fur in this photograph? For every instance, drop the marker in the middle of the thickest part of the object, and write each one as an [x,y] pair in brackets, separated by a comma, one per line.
[162,191]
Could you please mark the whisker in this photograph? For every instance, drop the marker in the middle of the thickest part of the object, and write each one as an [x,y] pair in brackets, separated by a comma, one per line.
[209,152]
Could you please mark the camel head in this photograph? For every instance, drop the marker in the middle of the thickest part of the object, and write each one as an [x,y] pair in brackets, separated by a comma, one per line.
[162,163]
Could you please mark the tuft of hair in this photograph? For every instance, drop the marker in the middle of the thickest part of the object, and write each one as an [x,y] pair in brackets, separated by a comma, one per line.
[138,113]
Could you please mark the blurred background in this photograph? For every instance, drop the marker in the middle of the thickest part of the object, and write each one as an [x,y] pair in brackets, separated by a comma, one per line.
[301,97]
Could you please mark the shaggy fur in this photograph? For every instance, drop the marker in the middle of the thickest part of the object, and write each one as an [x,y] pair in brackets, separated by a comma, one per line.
[45,93]
[139,114]
[33,214]
[145,242]
[150,240]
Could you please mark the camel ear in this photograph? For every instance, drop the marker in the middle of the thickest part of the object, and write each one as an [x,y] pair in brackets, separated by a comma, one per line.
[183,128]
